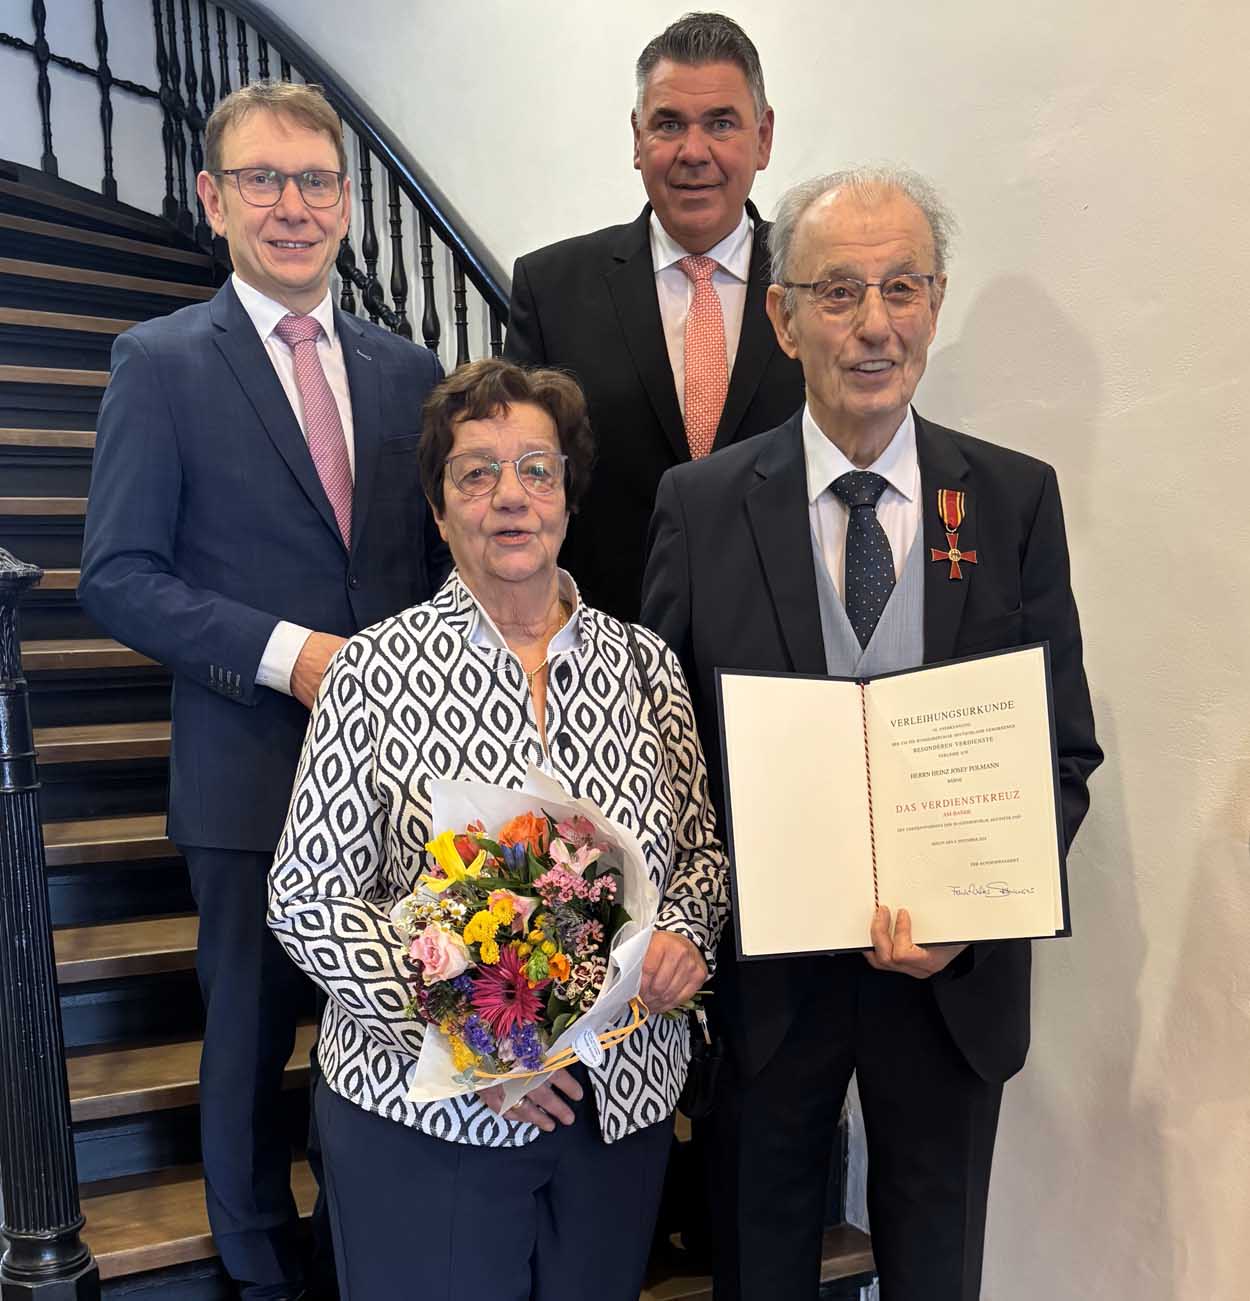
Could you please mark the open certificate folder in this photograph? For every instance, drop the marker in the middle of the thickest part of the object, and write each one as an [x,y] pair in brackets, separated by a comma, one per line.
[935,790]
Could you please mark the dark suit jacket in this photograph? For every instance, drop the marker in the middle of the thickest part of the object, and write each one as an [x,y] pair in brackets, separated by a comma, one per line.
[207,524]
[731,583]
[589,305]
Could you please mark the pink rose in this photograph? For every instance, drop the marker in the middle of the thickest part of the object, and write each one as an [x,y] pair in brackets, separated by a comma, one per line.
[522,908]
[442,954]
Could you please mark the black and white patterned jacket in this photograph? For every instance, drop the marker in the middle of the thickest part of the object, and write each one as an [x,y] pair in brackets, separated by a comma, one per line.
[419,697]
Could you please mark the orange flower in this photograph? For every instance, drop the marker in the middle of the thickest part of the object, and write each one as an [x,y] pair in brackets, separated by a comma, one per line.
[526,829]
[559,967]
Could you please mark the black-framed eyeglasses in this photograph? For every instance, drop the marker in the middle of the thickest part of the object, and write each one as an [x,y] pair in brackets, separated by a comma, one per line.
[477,474]
[842,295]
[262,187]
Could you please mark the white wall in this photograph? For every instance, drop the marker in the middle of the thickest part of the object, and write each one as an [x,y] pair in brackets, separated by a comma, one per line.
[1096,155]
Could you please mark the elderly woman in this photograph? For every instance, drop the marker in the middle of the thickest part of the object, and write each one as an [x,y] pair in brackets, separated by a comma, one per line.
[504,668]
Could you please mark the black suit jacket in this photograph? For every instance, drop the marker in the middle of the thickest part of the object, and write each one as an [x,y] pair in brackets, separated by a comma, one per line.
[207,524]
[731,583]
[589,305]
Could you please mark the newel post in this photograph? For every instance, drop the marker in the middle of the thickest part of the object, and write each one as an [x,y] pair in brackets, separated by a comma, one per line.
[46,1259]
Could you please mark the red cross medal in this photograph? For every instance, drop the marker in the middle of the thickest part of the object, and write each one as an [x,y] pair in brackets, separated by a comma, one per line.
[951,509]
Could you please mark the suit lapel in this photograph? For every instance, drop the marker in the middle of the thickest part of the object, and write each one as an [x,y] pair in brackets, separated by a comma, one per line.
[777,510]
[366,392]
[631,283]
[942,465]
[756,340]
[245,354]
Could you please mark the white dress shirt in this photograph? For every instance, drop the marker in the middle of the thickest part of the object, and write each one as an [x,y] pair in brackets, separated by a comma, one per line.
[287,639]
[898,508]
[675,291]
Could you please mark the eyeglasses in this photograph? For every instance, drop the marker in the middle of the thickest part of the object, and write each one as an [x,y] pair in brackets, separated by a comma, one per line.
[477,474]
[262,187]
[842,295]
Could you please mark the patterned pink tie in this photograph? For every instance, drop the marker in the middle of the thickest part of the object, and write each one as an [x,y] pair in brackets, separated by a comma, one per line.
[322,425]
[707,369]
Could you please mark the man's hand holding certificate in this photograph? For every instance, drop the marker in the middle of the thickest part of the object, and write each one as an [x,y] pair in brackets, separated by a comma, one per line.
[932,791]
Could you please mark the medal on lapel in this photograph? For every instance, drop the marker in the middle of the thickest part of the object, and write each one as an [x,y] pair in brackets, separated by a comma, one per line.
[951,510]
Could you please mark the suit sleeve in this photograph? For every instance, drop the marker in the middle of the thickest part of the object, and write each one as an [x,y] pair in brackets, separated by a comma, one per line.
[524,343]
[1050,615]
[129,583]
[666,579]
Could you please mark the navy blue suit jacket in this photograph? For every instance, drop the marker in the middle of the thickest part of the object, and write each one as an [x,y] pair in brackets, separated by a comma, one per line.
[207,524]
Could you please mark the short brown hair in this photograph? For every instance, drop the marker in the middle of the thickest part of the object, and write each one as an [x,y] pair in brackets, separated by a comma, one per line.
[306,104]
[487,388]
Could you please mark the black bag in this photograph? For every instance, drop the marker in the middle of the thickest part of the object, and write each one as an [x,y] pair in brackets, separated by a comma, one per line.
[698,1096]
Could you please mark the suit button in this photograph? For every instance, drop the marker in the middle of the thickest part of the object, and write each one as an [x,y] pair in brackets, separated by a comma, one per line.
[353,581]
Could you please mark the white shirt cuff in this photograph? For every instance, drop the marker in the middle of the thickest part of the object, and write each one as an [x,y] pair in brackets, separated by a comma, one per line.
[282,650]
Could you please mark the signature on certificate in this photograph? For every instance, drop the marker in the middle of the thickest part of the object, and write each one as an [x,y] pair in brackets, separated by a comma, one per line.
[991,889]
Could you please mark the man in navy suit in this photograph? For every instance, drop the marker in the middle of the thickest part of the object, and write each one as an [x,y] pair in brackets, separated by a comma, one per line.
[818,547]
[255,500]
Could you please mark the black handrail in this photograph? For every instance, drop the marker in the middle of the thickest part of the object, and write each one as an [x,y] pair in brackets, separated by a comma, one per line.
[479,265]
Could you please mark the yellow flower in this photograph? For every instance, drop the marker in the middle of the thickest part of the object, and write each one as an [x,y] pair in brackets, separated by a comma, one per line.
[447,856]
[524,950]
[549,948]
[482,926]
[462,1056]
[503,911]
[489,952]
[535,936]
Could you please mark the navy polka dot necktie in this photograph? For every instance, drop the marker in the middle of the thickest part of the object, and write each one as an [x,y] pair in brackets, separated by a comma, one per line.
[869,560]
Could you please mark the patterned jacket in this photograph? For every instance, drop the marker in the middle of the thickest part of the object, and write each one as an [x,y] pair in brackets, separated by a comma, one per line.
[417,697]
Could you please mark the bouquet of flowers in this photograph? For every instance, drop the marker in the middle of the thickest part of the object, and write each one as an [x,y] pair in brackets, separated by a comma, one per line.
[525,938]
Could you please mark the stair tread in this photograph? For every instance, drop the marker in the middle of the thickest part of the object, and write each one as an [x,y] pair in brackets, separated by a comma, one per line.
[132,948]
[59,580]
[43,505]
[88,205]
[80,653]
[80,840]
[162,1221]
[126,1081]
[47,437]
[63,321]
[54,375]
[846,1252]
[100,742]
[77,235]
[106,279]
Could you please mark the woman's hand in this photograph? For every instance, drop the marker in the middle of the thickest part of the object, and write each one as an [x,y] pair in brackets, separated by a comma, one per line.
[543,1107]
[672,972]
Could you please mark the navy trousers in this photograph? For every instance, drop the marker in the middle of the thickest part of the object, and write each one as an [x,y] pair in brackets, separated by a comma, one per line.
[254,997]
[415,1218]
[929,1120]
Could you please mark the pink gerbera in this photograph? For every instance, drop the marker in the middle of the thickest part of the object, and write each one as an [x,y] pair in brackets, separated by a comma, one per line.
[504,995]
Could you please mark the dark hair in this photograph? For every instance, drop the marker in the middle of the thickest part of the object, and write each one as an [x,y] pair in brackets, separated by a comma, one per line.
[487,388]
[304,103]
[703,38]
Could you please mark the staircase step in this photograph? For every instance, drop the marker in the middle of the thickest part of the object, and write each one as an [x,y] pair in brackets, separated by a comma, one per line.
[46,656]
[154,1221]
[102,742]
[107,840]
[59,580]
[104,279]
[55,438]
[93,379]
[136,948]
[85,205]
[43,505]
[127,1081]
[33,320]
[117,243]
[846,1255]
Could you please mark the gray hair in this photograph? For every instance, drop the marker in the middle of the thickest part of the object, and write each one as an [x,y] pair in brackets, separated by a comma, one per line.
[869,183]
[703,38]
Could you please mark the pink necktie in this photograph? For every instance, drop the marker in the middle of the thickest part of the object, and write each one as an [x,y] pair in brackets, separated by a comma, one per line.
[707,369]
[322,425]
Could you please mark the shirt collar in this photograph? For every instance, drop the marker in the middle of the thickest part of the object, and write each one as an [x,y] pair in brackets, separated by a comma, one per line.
[265,313]
[732,254]
[483,632]
[898,465]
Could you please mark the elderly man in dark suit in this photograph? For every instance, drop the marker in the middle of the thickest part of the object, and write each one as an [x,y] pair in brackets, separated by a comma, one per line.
[662,320]
[819,547]
[255,500]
